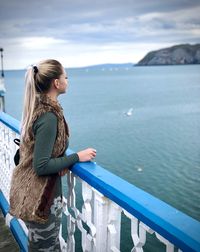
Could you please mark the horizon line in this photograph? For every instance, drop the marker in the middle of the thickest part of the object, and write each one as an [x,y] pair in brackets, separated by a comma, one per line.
[78,67]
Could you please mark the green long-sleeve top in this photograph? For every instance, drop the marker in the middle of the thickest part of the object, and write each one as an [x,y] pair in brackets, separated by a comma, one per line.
[45,131]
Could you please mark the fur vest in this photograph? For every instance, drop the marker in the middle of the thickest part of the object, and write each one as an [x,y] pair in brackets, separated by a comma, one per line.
[31,195]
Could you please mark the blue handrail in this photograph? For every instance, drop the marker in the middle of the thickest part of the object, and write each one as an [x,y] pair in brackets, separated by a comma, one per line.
[177,227]
[14,225]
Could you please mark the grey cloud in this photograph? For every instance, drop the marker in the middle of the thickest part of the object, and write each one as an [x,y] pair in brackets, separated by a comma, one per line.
[78,10]
[94,21]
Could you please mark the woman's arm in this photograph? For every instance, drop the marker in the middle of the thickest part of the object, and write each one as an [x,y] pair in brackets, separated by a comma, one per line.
[45,130]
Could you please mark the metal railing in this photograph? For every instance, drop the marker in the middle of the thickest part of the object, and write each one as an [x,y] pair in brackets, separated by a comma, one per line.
[105,197]
[2,94]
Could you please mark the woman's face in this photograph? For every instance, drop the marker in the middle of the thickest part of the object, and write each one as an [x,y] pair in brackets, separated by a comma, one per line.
[63,82]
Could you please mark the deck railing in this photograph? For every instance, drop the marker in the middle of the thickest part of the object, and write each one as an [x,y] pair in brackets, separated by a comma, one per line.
[105,197]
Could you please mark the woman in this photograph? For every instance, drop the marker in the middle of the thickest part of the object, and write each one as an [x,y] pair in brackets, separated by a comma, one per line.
[36,194]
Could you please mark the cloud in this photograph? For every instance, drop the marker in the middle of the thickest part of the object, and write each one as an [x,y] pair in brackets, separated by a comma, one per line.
[40,43]
[66,18]
[86,29]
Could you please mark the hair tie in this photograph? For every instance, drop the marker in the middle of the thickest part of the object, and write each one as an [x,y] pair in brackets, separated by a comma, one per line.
[35,69]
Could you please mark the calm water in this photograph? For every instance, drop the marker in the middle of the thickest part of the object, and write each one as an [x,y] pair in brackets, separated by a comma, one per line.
[157,148]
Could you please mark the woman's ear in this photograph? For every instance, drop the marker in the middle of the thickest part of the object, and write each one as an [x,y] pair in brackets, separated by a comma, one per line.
[56,83]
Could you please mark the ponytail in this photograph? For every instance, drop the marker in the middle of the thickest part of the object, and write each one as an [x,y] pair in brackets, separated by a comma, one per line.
[29,101]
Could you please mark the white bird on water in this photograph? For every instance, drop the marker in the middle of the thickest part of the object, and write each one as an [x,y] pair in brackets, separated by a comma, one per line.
[129,112]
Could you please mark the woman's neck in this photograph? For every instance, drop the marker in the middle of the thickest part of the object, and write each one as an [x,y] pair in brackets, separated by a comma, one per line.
[53,96]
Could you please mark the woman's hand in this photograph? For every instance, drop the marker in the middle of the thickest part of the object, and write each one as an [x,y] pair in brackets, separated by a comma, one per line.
[86,155]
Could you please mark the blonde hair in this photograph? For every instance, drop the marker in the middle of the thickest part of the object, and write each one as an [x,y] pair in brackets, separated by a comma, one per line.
[38,79]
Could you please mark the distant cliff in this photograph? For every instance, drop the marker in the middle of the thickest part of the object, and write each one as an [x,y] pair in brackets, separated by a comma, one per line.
[175,55]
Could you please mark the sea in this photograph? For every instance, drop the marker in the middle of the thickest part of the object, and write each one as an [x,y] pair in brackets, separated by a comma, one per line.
[155,147]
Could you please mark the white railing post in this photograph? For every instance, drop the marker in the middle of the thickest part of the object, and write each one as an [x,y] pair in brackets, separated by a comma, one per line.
[71,204]
[114,227]
[107,220]
[88,238]
[100,221]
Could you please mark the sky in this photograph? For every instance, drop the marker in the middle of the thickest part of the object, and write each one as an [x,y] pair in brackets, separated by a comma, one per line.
[89,32]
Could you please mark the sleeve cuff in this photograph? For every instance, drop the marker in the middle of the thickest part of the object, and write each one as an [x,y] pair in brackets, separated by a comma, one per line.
[72,159]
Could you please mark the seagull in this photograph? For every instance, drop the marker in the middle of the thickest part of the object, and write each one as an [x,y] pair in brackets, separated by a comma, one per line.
[129,112]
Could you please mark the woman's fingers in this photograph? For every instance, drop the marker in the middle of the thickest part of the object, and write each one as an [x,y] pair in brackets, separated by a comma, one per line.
[87,154]
[93,153]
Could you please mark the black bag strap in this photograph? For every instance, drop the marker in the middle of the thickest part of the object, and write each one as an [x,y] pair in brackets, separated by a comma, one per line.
[17,141]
